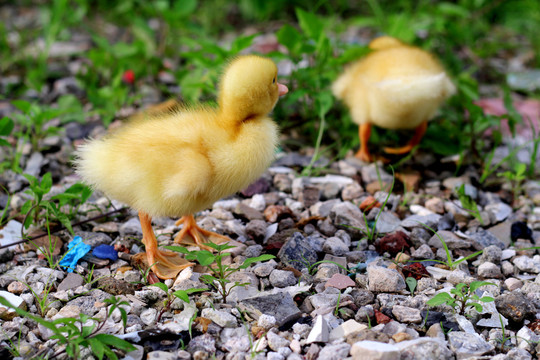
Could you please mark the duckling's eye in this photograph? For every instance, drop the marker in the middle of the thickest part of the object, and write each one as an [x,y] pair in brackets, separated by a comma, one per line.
[273,80]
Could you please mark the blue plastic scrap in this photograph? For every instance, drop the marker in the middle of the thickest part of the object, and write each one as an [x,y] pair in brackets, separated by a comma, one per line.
[76,250]
[104,251]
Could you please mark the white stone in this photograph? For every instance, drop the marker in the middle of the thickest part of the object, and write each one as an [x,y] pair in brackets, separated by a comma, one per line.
[275,341]
[508,254]
[525,263]
[348,328]
[374,350]
[465,324]
[266,321]
[148,316]
[320,331]
[437,273]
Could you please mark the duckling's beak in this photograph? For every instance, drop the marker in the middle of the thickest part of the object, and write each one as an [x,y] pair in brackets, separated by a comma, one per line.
[282,89]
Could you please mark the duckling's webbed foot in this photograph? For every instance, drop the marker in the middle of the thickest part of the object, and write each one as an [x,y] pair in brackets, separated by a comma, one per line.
[165,264]
[415,140]
[193,235]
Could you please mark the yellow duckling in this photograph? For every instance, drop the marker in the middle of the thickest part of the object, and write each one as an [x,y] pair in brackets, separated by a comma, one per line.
[178,161]
[396,86]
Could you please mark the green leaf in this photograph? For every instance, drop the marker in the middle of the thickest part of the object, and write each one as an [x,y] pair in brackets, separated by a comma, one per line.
[162,286]
[310,24]
[205,257]
[112,340]
[23,106]
[46,182]
[6,126]
[486,299]
[411,283]
[440,298]
[250,261]
[97,347]
[290,38]
[182,295]
[241,43]
[209,279]
[4,143]
[477,284]
[477,306]
[185,8]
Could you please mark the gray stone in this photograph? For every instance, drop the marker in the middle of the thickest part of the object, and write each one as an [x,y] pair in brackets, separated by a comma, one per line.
[407,314]
[374,350]
[282,278]
[334,352]
[387,223]
[500,211]
[205,342]
[513,284]
[482,239]
[220,317]
[451,240]
[435,204]
[72,281]
[423,252]
[489,270]
[256,230]
[161,355]
[518,354]
[424,349]
[281,306]
[351,192]
[96,238]
[381,279]
[335,246]
[265,268]
[421,220]
[348,215]
[515,306]
[131,227]
[492,254]
[466,345]
[374,172]
[297,252]
[34,164]
[502,232]
[323,300]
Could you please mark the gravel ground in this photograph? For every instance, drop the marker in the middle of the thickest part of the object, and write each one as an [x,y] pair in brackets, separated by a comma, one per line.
[303,304]
[344,244]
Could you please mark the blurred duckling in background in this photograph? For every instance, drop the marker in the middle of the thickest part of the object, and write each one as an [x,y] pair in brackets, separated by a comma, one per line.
[396,86]
[176,161]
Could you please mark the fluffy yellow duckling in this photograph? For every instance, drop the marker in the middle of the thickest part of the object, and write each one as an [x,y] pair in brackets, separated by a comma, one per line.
[177,161]
[396,86]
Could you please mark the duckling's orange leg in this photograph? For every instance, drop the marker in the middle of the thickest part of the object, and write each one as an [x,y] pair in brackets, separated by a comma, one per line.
[415,140]
[192,234]
[364,132]
[165,264]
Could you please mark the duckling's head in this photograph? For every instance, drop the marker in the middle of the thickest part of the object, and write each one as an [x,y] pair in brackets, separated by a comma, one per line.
[249,88]
[384,42]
